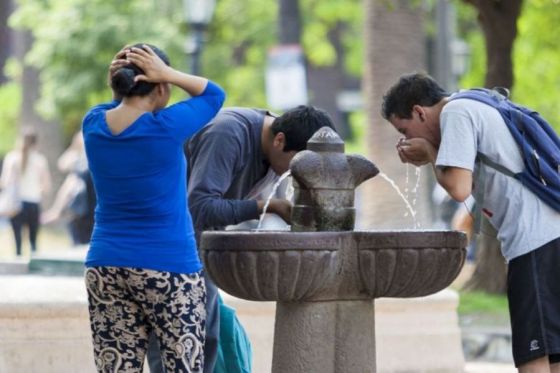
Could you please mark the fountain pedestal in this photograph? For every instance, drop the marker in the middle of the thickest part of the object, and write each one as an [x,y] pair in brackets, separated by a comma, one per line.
[324,336]
[419,335]
[325,283]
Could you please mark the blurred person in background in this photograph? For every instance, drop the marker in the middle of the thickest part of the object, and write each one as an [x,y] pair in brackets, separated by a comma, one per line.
[28,171]
[75,199]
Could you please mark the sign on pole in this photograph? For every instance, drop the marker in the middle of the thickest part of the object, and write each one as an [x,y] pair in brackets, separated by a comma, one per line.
[286,85]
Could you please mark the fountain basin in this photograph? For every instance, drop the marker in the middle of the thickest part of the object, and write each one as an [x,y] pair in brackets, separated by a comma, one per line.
[408,264]
[270,266]
[318,266]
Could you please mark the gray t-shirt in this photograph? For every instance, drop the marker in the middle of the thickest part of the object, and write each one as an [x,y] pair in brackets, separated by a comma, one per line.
[523,221]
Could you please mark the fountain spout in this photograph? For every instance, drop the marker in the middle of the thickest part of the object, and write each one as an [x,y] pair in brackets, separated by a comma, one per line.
[324,183]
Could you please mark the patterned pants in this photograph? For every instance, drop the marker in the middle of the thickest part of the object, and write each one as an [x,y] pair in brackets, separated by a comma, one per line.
[126,304]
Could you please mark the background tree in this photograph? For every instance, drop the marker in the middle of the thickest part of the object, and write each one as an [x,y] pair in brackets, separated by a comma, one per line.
[537,61]
[10,91]
[49,132]
[391,51]
[333,45]
[5,35]
[498,21]
[87,34]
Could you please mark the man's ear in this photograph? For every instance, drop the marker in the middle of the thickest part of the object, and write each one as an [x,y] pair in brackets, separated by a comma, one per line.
[279,140]
[420,111]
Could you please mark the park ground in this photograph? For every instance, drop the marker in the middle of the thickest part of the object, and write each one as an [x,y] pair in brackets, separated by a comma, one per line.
[480,314]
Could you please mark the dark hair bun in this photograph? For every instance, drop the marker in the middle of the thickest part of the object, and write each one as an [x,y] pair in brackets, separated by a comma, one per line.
[123,81]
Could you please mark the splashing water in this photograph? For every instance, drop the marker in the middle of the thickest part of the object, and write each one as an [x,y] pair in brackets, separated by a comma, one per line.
[416,186]
[274,188]
[414,191]
[397,189]
[406,183]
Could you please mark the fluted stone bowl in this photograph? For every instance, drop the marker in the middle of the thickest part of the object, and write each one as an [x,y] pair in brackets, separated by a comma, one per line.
[270,266]
[298,266]
[409,263]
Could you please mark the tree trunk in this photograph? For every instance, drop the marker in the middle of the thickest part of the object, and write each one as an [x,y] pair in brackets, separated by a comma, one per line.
[498,20]
[50,134]
[325,82]
[490,271]
[5,37]
[394,44]
[289,22]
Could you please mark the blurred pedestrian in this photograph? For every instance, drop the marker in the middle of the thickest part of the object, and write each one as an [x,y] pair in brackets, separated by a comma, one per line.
[75,199]
[27,170]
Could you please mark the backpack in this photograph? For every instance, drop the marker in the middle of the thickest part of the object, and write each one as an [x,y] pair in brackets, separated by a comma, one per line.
[234,348]
[538,143]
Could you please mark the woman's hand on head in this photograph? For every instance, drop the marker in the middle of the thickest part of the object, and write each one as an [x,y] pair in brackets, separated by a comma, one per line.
[155,70]
[119,60]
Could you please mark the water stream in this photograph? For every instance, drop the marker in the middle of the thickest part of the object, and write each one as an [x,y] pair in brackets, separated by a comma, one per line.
[416,186]
[397,189]
[409,206]
[272,193]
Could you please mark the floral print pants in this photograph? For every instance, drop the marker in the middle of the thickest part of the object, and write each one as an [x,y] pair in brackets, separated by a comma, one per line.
[126,304]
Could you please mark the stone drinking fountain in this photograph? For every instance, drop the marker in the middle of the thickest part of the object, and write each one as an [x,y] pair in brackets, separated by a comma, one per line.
[323,275]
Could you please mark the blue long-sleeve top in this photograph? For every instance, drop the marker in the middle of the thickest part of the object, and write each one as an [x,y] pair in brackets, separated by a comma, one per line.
[142,218]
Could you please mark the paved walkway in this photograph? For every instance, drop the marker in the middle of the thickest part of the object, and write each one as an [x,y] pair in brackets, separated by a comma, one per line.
[483,367]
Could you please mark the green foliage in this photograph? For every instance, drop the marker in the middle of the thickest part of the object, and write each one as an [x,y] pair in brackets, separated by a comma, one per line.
[74,41]
[536,56]
[10,97]
[358,126]
[536,59]
[320,17]
[477,302]
[235,53]
[469,30]
[243,31]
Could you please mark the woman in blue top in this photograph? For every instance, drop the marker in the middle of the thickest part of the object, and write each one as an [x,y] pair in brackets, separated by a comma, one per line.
[143,271]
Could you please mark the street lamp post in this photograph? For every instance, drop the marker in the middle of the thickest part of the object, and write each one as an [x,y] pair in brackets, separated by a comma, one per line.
[198,14]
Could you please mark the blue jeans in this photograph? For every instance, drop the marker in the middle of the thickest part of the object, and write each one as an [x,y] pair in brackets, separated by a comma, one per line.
[212,333]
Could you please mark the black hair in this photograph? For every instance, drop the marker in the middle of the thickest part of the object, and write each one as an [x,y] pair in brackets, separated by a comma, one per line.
[411,89]
[299,124]
[29,137]
[122,82]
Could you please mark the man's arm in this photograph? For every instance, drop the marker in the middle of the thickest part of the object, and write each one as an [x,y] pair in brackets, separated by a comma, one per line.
[456,181]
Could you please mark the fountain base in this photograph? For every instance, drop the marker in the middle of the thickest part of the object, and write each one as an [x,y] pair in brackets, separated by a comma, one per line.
[329,337]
